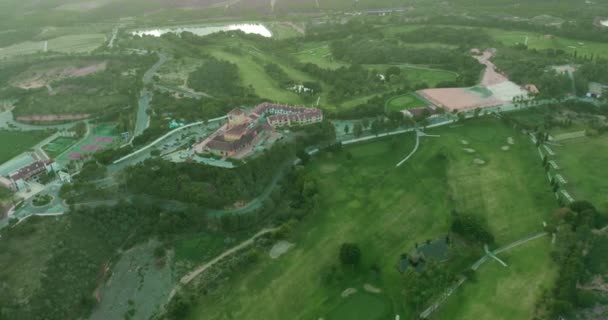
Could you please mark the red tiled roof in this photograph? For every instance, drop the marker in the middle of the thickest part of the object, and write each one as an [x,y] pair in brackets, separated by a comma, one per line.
[30,170]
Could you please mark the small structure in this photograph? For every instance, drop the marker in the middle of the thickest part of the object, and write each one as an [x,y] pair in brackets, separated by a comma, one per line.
[531,88]
[436,250]
[596,90]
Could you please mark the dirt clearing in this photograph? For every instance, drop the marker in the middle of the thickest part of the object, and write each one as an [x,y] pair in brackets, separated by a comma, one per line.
[38,78]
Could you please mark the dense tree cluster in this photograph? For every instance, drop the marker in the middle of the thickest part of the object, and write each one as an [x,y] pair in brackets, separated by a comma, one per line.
[466,38]
[218,78]
[471,227]
[207,185]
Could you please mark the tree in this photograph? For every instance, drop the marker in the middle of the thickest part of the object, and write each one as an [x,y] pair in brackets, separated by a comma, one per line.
[350,254]
[358,129]
[346,129]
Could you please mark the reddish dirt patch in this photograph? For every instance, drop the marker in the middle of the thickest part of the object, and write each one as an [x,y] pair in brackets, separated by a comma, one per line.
[35,78]
[75,155]
[53,117]
[91,147]
[457,99]
[490,75]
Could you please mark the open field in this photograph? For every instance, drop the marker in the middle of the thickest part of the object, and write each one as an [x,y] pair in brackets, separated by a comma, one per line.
[318,53]
[386,210]
[542,41]
[505,293]
[65,44]
[582,163]
[12,143]
[404,102]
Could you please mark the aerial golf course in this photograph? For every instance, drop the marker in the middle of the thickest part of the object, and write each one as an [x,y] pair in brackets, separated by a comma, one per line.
[387,210]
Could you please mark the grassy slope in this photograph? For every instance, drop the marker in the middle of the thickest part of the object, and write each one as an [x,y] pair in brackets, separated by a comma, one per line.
[583,164]
[505,293]
[403,102]
[387,210]
[13,143]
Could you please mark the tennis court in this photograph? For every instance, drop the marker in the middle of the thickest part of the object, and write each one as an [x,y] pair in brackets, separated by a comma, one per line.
[102,135]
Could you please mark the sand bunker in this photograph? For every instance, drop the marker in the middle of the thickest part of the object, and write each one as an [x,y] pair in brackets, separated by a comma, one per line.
[369,288]
[279,249]
[465,142]
[468,150]
[510,140]
[348,292]
[478,161]
[505,148]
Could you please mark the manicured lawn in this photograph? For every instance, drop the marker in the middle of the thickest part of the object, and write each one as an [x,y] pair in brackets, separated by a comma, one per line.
[386,210]
[318,53]
[361,306]
[505,293]
[12,143]
[404,102]
[582,163]
[253,74]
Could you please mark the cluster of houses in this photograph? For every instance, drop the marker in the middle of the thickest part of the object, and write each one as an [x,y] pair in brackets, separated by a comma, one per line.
[243,129]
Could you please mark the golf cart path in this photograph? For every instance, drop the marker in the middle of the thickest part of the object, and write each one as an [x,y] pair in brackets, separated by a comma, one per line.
[426,313]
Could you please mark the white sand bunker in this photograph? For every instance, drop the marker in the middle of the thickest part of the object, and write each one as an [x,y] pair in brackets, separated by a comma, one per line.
[505,148]
[510,140]
[468,150]
[464,142]
[369,288]
[347,292]
[479,161]
[280,248]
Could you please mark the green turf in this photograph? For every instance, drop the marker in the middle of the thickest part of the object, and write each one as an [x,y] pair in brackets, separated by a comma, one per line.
[386,210]
[404,102]
[12,143]
[57,146]
[583,165]
[361,306]
[505,293]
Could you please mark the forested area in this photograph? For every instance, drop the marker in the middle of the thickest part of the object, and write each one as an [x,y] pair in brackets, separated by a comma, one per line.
[218,78]
[575,236]
[533,66]
[209,186]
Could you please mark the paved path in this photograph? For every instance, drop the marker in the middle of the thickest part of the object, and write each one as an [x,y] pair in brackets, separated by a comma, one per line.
[151,144]
[200,269]
[418,134]
[143,118]
[426,313]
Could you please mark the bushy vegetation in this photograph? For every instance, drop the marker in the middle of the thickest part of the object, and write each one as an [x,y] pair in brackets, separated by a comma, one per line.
[217,78]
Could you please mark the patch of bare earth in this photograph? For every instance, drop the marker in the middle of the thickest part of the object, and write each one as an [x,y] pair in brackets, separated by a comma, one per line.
[36,78]
[53,117]
[369,288]
[279,249]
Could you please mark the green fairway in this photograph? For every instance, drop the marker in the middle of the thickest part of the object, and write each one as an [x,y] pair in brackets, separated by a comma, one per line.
[505,293]
[583,167]
[547,41]
[318,53]
[361,306]
[12,143]
[253,74]
[404,102]
[386,210]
